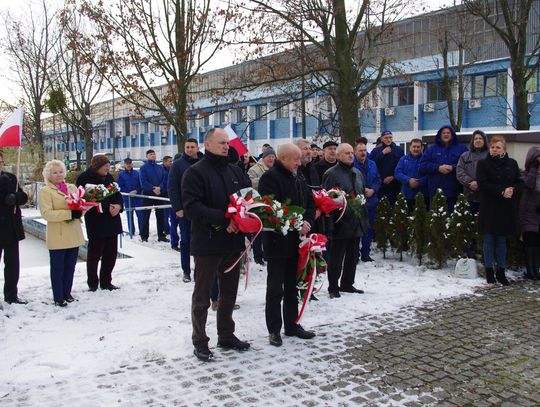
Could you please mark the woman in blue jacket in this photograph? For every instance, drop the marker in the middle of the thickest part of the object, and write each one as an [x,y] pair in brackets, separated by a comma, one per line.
[439,164]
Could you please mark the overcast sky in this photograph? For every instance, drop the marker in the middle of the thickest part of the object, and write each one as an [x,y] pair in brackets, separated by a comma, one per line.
[10,92]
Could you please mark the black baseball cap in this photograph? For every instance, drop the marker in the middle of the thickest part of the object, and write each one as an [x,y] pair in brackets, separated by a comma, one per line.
[128,160]
[329,144]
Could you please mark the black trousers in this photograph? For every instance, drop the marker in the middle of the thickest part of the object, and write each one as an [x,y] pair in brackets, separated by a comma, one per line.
[281,285]
[11,269]
[342,260]
[206,269]
[145,227]
[105,250]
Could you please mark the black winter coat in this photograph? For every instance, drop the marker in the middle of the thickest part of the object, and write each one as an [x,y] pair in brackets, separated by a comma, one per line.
[11,228]
[101,225]
[176,173]
[350,180]
[322,166]
[310,175]
[283,184]
[206,188]
[498,215]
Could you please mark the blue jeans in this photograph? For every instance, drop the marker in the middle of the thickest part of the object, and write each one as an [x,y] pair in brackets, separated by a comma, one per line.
[495,246]
[368,237]
[63,263]
[174,230]
[133,203]
[185,237]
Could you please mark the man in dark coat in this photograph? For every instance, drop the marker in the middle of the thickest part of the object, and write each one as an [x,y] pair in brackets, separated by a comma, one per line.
[328,159]
[307,169]
[387,156]
[216,242]
[103,228]
[191,156]
[11,231]
[282,182]
[344,245]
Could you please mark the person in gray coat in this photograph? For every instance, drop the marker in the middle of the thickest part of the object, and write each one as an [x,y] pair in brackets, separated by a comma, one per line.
[529,213]
[466,169]
[344,236]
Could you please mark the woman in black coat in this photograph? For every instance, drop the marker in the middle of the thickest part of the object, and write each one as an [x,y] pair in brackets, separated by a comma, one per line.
[499,182]
[102,228]
[11,231]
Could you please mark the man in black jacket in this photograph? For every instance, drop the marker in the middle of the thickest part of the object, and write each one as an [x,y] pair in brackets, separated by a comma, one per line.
[328,159]
[191,156]
[282,251]
[215,240]
[11,231]
[307,168]
[344,244]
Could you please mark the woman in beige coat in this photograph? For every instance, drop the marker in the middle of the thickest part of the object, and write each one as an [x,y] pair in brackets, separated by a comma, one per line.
[64,232]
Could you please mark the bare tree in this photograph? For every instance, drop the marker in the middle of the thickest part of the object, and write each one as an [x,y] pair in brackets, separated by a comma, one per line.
[29,43]
[75,81]
[512,21]
[340,56]
[152,51]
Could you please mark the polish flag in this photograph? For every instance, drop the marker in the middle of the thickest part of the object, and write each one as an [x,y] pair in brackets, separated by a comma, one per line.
[11,130]
[235,142]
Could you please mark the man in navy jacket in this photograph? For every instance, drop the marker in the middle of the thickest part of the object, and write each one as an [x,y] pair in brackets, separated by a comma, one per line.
[408,173]
[372,180]
[129,182]
[180,166]
[151,177]
[386,156]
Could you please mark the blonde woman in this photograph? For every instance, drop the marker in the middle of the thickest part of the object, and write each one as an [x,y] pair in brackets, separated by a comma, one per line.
[64,232]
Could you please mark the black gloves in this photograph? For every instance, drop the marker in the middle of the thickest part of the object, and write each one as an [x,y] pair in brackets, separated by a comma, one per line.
[76,214]
[10,199]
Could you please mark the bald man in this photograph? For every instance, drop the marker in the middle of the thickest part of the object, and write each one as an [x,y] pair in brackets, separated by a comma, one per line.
[344,236]
[215,240]
[283,182]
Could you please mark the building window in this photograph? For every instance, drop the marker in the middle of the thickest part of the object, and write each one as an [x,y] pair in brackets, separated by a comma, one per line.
[223,117]
[241,114]
[206,120]
[401,95]
[260,112]
[489,85]
[435,91]
[282,110]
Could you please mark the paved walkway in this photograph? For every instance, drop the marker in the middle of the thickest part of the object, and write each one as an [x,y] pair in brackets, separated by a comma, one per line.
[476,350]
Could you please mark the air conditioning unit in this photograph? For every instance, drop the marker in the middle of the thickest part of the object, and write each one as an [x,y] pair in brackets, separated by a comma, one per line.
[530,98]
[429,107]
[475,103]
[389,111]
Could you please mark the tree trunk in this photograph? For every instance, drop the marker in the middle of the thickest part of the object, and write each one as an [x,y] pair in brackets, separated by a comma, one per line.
[520,93]
[88,142]
[347,96]
[181,121]
[38,133]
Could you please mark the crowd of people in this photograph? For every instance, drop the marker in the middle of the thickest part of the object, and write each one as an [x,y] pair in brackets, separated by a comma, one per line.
[506,199]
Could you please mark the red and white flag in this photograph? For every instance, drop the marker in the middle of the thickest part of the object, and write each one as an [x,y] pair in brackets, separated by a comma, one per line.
[11,130]
[235,142]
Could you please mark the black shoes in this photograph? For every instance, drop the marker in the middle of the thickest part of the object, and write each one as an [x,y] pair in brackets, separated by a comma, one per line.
[233,343]
[186,278]
[175,248]
[260,261]
[69,298]
[61,304]
[16,300]
[490,275]
[144,240]
[275,339]
[300,333]
[92,289]
[110,287]
[313,298]
[351,289]
[334,294]
[366,259]
[163,239]
[501,277]
[203,353]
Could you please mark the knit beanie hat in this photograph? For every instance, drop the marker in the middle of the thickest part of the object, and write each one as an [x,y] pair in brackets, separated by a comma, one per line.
[268,151]
[98,161]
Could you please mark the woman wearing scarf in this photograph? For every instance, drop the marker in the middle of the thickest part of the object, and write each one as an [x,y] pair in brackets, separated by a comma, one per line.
[64,232]
[499,183]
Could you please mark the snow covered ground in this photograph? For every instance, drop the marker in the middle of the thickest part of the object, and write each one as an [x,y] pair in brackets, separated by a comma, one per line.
[149,317]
